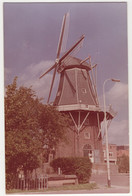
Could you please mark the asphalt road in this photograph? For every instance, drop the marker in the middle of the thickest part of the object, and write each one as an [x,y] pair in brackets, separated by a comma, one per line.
[119,184]
[116,180]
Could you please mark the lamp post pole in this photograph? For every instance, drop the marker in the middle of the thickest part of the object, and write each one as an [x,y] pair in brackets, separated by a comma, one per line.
[106,132]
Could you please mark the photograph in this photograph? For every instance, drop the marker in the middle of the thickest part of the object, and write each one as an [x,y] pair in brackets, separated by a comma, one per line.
[66,87]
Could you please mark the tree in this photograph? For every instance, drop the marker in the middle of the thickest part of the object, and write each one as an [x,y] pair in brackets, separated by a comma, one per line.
[123,164]
[53,126]
[29,127]
[22,142]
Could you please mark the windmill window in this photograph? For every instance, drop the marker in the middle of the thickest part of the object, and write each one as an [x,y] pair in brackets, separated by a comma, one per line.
[111,154]
[84,90]
[87,135]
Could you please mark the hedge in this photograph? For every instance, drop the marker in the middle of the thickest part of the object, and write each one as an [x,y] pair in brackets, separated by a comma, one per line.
[79,166]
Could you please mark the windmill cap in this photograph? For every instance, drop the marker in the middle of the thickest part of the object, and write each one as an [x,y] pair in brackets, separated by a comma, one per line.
[71,62]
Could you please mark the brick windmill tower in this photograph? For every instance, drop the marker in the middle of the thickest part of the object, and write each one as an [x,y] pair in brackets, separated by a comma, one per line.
[77,96]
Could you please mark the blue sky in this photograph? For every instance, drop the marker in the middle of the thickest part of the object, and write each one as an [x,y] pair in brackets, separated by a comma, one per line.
[31,33]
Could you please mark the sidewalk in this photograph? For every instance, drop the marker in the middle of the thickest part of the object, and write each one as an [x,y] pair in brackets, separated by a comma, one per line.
[119,184]
[100,190]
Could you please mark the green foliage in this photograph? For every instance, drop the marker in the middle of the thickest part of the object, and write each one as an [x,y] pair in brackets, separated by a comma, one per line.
[123,164]
[80,166]
[52,124]
[29,126]
[21,108]
[28,161]
[22,143]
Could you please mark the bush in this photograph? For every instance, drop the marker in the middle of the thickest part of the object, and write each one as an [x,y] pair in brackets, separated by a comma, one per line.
[79,166]
[123,164]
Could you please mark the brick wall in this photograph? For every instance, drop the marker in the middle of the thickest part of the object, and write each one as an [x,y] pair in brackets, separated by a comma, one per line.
[88,136]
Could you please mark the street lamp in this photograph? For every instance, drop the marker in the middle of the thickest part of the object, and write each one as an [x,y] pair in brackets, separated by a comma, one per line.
[106,132]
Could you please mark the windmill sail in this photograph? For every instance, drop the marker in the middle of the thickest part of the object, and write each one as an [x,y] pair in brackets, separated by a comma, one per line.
[57,64]
[66,55]
[62,40]
[47,71]
[53,78]
[73,52]
[63,34]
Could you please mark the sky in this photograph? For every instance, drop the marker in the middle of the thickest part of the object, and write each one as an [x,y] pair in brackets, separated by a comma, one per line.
[31,34]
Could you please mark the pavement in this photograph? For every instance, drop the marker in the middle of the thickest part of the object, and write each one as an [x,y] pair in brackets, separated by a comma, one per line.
[113,189]
[119,184]
[118,179]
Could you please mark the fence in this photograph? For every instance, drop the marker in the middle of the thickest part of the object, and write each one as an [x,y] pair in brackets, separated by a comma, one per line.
[32,184]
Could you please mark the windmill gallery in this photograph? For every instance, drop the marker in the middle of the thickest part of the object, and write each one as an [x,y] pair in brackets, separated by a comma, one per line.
[77,97]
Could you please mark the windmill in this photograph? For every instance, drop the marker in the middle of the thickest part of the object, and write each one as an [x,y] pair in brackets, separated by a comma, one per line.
[57,64]
[77,97]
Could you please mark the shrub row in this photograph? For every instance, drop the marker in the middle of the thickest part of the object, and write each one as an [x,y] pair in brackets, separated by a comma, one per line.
[79,166]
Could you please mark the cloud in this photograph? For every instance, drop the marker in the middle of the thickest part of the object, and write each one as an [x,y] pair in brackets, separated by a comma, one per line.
[30,78]
[117,96]
[118,132]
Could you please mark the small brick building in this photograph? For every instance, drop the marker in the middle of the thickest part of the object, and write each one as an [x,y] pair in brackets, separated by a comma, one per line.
[112,153]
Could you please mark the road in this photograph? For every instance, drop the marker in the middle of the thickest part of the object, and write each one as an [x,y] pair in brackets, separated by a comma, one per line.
[119,184]
[116,180]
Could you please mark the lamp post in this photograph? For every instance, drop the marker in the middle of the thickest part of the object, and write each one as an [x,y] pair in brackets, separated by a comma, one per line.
[106,132]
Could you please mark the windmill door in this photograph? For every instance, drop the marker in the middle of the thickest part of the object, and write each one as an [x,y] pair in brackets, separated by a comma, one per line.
[88,152]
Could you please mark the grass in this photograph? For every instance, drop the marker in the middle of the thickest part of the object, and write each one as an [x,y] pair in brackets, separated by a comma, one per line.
[65,187]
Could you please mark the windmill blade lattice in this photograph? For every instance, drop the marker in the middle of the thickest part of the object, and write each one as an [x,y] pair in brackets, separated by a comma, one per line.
[66,55]
[52,83]
[47,71]
[59,49]
[73,52]
[62,42]
[64,33]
